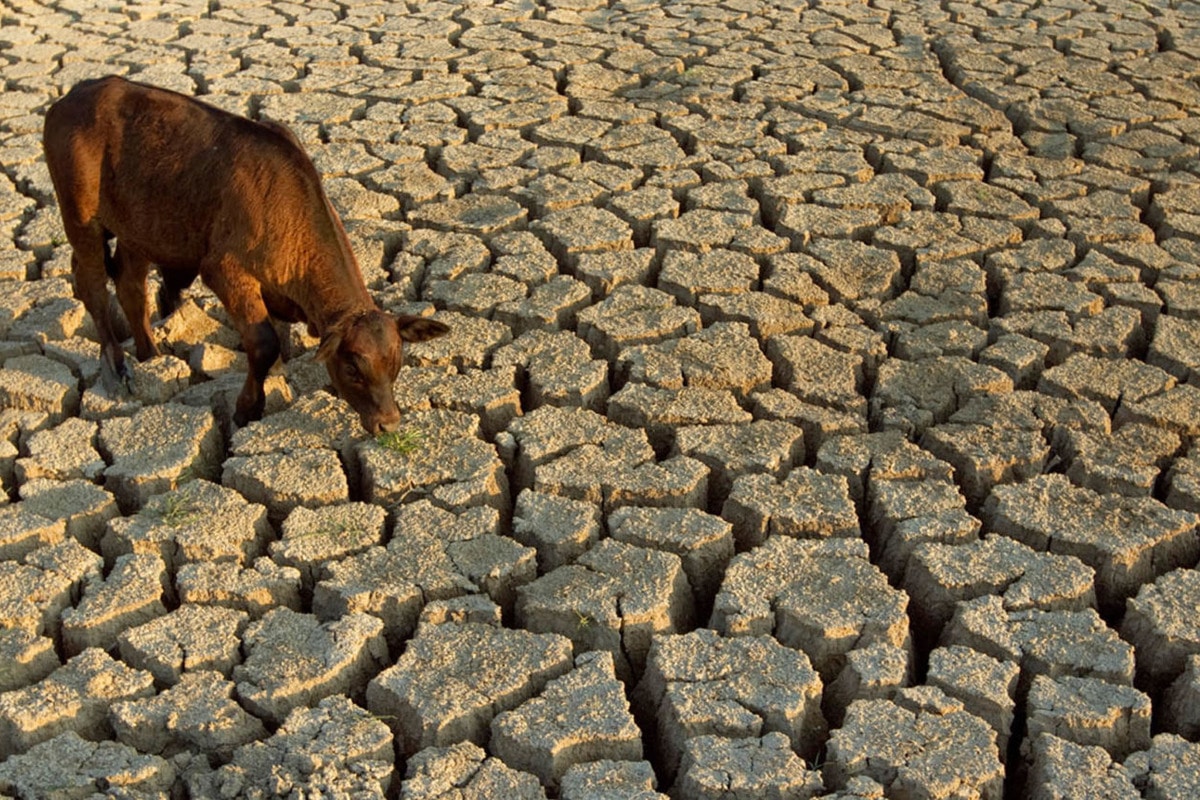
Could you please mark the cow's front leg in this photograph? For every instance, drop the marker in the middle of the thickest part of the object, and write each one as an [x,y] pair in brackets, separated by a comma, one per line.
[242,298]
[262,351]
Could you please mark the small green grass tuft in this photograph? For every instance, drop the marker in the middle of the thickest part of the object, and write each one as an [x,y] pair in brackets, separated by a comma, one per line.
[332,529]
[402,442]
[178,508]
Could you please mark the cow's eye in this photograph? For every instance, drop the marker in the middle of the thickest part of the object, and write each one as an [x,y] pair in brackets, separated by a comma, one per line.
[353,373]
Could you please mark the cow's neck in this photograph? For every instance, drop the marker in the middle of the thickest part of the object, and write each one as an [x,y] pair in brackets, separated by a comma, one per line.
[336,291]
[345,299]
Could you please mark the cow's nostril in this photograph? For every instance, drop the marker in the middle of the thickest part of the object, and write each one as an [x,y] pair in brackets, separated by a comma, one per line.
[389,425]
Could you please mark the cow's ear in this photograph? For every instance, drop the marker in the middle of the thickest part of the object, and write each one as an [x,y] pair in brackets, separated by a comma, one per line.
[419,329]
[329,345]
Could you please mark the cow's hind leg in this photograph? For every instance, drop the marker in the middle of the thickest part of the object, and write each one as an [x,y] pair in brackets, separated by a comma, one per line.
[89,261]
[130,278]
[174,281]
[242,298]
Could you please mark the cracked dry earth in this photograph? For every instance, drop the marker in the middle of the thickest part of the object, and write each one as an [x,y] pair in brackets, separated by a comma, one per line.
[821,416]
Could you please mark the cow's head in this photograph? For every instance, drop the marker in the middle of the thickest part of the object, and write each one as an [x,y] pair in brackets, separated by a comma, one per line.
[363,357]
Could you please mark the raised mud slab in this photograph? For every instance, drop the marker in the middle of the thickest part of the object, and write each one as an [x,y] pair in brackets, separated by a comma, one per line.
[820,415]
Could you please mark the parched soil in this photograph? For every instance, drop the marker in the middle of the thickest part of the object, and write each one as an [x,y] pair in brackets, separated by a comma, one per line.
[820,415]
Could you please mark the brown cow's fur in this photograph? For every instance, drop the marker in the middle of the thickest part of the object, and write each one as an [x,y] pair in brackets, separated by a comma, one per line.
[198,191]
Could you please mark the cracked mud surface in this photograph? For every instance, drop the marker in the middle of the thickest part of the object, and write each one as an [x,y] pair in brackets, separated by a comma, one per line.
[820,417]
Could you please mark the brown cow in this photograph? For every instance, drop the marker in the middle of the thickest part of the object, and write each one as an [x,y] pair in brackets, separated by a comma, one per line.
[198,191]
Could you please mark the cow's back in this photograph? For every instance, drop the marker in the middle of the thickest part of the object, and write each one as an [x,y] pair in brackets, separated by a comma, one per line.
[168,175]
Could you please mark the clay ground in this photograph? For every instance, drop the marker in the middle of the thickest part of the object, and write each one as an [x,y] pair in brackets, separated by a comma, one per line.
[819,417]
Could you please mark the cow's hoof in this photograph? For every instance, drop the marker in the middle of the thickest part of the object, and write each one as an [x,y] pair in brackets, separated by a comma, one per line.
[125,379]
[244,416]
[117,381]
